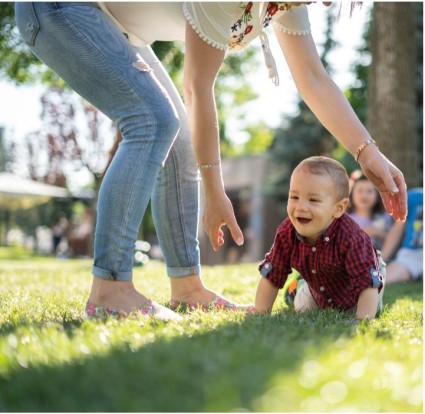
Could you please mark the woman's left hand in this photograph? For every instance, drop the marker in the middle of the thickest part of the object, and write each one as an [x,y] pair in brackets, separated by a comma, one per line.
[218,211]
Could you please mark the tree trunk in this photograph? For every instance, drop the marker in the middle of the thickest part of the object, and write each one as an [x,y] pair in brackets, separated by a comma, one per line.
[391,114]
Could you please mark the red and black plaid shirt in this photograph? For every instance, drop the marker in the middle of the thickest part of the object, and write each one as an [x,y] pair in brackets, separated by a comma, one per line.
[342,263]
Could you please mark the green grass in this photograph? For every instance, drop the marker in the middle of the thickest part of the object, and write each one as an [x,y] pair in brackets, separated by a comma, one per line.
[53,360]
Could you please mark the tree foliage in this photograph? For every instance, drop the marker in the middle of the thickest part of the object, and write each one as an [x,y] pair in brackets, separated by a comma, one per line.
[60,148]
[232,90]
[18,64]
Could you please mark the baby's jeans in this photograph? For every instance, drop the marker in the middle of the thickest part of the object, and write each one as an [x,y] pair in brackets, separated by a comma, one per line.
[81,44]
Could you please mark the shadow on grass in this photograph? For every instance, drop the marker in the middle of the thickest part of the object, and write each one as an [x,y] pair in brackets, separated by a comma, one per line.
[228,368]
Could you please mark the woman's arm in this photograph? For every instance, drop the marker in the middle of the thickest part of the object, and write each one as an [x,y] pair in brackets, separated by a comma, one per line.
[333,110]
[202,63]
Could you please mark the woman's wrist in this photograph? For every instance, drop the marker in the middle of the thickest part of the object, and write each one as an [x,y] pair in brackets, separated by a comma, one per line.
[211,165]
[365,150]
[363,146]
[212,179]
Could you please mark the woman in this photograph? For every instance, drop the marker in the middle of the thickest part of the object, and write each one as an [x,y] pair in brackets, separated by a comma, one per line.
[84,43]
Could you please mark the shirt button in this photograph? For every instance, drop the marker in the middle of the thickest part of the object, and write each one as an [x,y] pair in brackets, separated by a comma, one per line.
[267,266]
[322,288]
[313,271]
[326,238]
[329,300]
[313,249]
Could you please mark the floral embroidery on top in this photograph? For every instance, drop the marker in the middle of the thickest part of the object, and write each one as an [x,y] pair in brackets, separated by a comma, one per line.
[272,8]
[246,23]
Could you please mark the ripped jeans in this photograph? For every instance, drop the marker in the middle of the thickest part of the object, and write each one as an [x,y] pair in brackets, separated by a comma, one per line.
[154,160]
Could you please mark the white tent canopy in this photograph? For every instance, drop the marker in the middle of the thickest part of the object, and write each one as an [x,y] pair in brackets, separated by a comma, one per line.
[17,192]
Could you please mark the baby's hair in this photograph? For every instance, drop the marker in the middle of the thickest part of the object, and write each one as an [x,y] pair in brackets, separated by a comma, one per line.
[320,165]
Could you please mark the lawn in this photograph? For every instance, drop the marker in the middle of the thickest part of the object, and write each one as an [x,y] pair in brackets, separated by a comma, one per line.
[51,359]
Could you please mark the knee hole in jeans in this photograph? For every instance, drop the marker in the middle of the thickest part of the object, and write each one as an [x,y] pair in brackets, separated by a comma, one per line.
[141,65]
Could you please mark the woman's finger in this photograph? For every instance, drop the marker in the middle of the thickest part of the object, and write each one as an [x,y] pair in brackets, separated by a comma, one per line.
[386,200]
[235,230]
[214,240]
[400,198]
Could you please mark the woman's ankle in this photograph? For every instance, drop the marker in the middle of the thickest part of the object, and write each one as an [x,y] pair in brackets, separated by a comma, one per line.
[101,289]
[118,295]
[190,289]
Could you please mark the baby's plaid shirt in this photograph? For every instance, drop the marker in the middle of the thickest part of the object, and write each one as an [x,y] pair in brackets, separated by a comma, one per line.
[338,267]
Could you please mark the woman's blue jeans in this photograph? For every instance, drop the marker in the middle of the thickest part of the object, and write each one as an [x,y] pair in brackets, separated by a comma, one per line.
[155,159]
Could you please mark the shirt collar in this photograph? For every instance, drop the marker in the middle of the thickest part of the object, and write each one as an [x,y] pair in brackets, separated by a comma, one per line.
[326,235]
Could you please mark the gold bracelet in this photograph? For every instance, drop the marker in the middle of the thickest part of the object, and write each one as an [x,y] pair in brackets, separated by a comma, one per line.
[362,146]
[202,166]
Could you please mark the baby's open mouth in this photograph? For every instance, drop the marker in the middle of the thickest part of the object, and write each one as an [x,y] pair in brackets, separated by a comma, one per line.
[303,220]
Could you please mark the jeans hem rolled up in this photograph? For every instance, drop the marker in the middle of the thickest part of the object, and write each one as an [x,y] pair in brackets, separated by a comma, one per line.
[111,274]
[176,272]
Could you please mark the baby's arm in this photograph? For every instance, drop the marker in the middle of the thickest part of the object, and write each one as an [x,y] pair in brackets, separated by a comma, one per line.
[266,296]
[367,304]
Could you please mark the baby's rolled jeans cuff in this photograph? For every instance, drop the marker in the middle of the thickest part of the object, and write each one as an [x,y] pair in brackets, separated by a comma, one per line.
[111,274]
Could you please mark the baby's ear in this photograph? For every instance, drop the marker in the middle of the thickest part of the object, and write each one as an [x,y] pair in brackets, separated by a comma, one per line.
[340,207]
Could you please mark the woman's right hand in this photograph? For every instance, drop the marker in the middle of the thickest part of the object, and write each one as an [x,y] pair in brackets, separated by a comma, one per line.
[218,212]
[388,179]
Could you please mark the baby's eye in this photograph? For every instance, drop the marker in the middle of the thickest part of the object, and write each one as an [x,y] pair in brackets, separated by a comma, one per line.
[293,197]
[314,200]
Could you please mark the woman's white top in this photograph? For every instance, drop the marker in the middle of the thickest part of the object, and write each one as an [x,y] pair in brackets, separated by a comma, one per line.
[223,25]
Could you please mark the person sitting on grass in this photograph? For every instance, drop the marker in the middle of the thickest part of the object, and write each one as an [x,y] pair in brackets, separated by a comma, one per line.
[367,210]
[339,265]
[405,241]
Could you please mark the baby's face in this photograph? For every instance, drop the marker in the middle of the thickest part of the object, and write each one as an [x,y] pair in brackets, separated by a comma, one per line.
[312,203]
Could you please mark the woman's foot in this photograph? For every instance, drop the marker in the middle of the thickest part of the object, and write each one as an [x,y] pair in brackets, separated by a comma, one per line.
[151,309]
[189,293]
[190,289]
[119,299]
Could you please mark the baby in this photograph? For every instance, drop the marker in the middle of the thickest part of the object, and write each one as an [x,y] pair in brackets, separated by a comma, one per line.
[339,265]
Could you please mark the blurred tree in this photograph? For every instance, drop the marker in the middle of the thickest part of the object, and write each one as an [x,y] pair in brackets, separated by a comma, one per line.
[299,137]
[3,159]
[419,86]
[60,148]
[18,64]
[232,90]
[391,115]
[260,139]
[357,93]
[171,55]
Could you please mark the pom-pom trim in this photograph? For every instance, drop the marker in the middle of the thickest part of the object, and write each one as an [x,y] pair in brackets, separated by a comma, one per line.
[204,37]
